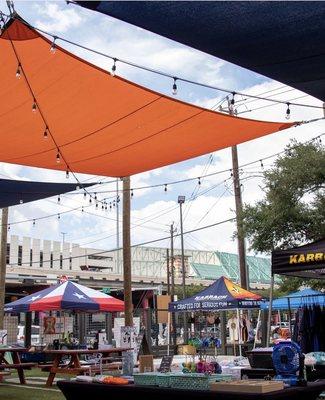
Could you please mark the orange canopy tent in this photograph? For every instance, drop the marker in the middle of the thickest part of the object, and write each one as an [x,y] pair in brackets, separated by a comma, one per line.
[99,124]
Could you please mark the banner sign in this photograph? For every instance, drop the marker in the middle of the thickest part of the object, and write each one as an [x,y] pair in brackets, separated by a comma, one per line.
[304,261]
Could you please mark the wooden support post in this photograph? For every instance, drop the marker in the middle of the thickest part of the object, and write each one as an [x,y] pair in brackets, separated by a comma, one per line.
[127,275]
[3,262]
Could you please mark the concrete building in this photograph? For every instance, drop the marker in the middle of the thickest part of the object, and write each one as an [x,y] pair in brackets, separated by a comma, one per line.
[36,262]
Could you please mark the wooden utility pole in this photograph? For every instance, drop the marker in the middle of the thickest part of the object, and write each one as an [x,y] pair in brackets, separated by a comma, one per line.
[127,275]
[239,220]
[243,272]
[3,262]
[168,272]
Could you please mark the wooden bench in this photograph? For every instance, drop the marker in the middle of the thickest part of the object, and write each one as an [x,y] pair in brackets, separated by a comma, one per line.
[18,366]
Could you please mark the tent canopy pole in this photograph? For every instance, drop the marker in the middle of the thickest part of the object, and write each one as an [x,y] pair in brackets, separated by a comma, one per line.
[268,332]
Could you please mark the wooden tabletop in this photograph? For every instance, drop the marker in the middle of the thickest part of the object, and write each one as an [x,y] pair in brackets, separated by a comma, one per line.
[86,351]
[10,349]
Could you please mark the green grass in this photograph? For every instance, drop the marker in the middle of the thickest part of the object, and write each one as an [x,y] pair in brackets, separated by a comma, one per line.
[8,392]
[13,391]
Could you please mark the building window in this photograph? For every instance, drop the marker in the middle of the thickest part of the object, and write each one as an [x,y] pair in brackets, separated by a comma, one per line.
[31,257]
[20,254]
[8,253]
[41,259]
[90,257]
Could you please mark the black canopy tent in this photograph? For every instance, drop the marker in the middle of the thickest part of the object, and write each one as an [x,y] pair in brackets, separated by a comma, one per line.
[283,40]
[307,261]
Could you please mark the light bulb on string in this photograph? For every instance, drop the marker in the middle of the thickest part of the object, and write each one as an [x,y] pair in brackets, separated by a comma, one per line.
[33,222]
[131,192]
[103,208]
[77,187]
[96,196]
[67,175]
[34,106]
[174,87]
[59,199]
[288,112]
[45,134]
[165,189]
[96,205]
[113,70]
[199,181]
[59,216]
[18,72]
[58,158]
[53,46]
[85,194]
[82,209]
[118,199]
[110,206]
[90,201]
[262,165]
[232,103]
[8,227]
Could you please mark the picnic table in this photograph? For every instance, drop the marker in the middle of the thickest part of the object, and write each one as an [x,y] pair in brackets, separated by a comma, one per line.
[75,366]
[16,361]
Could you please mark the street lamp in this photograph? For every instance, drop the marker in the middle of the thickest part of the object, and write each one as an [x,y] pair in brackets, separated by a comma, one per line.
[181,200]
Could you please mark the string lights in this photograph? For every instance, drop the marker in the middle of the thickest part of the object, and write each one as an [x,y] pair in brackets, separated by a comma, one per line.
[67,174]
[288,111]
[113,70]
[174,87]
[34,106]
[165,189]
[53,45]
[58,157]
[161,73]
[18,72]
[46,132]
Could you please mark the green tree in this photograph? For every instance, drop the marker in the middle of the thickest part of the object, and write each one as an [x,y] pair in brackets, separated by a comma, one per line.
[190,290]
[292,211]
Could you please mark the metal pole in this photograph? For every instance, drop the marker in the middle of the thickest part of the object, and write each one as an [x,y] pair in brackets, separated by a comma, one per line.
[289,308]
[182,250]
[183,272]
[117,229]
[268,332]
[172,273]
[257,327]
[239,333]
[168,272]
[127,275]
[3,262]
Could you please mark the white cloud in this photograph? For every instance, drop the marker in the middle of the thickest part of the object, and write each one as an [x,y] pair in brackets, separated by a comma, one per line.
[55,19]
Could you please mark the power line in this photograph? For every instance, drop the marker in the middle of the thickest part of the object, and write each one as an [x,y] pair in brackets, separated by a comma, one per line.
[135,245]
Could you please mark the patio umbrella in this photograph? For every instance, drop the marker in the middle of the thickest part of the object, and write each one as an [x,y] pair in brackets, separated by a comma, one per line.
[66,296]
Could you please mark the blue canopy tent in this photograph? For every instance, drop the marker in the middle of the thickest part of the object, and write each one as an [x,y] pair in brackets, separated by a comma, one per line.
[283,40]
[296,299]
[223,294]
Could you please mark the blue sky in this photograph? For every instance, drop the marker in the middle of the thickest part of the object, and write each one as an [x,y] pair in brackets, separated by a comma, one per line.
[154,208]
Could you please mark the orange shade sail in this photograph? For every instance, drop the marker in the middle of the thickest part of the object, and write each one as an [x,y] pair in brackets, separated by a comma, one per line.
[101,125]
